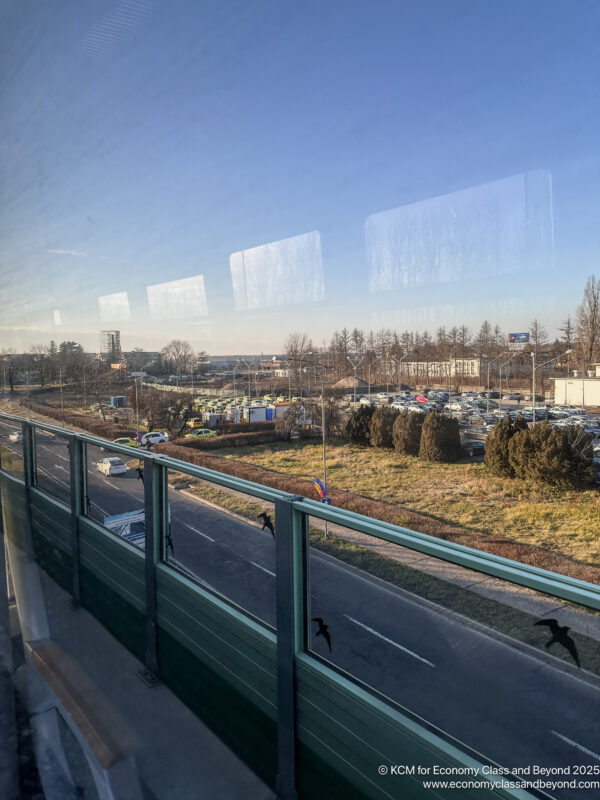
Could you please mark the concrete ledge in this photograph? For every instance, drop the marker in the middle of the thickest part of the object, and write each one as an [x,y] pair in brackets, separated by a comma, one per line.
[106,732]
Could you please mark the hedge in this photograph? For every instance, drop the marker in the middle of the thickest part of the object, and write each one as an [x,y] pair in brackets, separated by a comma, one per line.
[233,440]
[245,427]
[105,430]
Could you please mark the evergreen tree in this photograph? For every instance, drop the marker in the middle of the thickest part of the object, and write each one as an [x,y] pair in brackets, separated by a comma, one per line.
[440,438]
[407,432]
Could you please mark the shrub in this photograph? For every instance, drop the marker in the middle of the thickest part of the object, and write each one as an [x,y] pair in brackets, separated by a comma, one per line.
[381,430]
[358,427]
[407,432]
[496,446]
[549,455]
[440,438]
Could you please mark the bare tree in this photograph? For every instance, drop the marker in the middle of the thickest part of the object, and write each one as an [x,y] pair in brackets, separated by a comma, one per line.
[588,323]
[539,336]
[178,356]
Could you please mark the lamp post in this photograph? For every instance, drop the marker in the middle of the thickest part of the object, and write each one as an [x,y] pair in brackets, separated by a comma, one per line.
[535,366]
[355,365]
[500,374]
[489,363]
[454,349]
[62,408]
[397,362]
[323,429]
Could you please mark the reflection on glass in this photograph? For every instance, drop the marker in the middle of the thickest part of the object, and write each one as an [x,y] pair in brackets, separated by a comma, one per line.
[178,299]
[499,228]
[278,273]
[114,307]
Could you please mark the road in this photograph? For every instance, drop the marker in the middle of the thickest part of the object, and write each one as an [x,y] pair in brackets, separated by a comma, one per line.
[511,706]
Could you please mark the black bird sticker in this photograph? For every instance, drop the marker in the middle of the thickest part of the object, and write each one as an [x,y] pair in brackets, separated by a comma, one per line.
[140,474]
[323,630]
[560,635]
[267,523]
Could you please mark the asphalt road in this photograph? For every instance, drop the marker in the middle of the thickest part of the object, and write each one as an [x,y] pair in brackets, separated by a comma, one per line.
[508,705]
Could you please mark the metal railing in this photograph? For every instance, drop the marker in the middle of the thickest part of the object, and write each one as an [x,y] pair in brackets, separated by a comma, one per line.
[292,587]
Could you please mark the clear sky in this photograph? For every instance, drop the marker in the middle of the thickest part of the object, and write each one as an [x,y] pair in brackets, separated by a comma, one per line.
[236,158]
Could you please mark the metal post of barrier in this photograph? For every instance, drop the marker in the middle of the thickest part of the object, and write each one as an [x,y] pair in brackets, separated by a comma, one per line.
[291,553]
[29,468]
[77,482]
[155,515]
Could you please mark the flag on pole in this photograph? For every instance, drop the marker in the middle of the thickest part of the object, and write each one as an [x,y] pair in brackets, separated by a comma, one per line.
[320,487]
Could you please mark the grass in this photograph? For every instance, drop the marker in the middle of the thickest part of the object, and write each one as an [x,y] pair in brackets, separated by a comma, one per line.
[491,613]
[464,494]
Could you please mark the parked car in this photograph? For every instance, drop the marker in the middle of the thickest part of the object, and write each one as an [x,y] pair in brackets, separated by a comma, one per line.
[111,466]
[154,437]
[15,436]
[127,441]
[474,448]
[201,433]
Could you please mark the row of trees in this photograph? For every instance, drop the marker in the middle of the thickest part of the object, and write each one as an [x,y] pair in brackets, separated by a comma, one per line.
[67,361]
[558,457]
[378,356]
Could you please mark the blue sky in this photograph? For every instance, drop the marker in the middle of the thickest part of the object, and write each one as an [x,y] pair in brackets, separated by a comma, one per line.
[143,143]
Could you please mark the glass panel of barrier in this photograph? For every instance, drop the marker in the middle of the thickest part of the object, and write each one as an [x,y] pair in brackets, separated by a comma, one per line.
[510,672]
[225,540]
[11,452]
[52,463]
[115,490]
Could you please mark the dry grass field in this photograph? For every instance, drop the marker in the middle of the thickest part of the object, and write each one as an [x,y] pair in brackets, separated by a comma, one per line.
[463,494]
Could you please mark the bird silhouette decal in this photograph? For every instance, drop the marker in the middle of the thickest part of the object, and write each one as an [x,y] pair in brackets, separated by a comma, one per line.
[267,523]
[323,630]
[560,635]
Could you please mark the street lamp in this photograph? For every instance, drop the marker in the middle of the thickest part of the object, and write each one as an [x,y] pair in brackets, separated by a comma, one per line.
[398,361]
[454,349]
[62,407]
[500,373]
[323,430]
[489,363]
[355,365]
[535,366]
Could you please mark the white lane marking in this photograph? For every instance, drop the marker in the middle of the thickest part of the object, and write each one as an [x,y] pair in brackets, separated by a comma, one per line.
[390,641]
[457,619]
[108,483]
[206,536]
[52,452]
[57,466]
[578,746]
[264,569]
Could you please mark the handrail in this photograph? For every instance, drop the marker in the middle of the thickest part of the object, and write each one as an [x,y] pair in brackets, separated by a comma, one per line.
[554,583]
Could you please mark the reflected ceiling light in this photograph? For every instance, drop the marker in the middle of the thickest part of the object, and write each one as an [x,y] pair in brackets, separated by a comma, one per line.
[500,228]
[57,317]
[114,307]
[178,299]
[279,273]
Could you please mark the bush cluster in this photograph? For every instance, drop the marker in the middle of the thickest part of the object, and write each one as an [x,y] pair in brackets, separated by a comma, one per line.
[558,457]
[358,427]
[440,438]
[407,432]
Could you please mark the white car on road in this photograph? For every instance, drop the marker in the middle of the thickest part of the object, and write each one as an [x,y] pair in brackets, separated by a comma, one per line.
[111,466]
[154,437]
